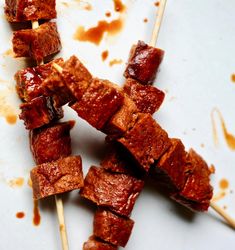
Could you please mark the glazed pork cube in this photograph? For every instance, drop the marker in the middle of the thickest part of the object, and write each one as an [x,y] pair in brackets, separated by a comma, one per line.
[122,120]
[29,80]
[118,192]
[101,100]
[112,228]
[57,177]
[197,191]
[39,112]
[143,63]
[148,99]
[146,141]
[37,43]
[29,10]
[95,244]
[51,142]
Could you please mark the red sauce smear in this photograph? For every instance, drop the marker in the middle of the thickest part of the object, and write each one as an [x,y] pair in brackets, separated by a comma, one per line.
[20,215]
[36,214]
[105,55]
[119,6]
[230,139]
[95,34]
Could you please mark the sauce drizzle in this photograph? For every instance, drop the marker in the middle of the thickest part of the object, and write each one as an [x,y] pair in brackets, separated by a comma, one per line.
[95,34]
[230,139]
[36,214]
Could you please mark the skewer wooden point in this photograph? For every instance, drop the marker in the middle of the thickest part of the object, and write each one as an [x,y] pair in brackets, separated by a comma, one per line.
[158,22]
[58,200]
[222,213]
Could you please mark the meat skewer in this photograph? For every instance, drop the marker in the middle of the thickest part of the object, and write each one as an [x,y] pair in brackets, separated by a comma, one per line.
[58,199]
[153,42]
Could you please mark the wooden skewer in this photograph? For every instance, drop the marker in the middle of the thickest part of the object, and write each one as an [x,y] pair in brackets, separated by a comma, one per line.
[58,200]
[158,23]
[153,41]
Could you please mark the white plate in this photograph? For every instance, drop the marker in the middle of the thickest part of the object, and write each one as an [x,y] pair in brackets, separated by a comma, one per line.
[199,38]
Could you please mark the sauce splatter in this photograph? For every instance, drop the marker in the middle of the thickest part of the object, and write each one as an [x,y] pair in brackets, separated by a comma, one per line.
[202,145]
[114,62]
[212,169]
[16,183]
[219,196]
[104,55]
[84,5]
[157,3]
[36,214]
[108,14]
[230,139]
[224,184]
[20,215]
[233,78]
[6,110]
[119,6]
[145,20]
[95,34]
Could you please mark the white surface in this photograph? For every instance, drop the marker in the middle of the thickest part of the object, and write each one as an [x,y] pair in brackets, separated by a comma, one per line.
[199,38]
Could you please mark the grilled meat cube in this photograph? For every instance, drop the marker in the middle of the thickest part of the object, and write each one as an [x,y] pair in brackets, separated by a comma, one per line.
[118,192]
[39,112]
[112,228]
[146,141]
[51,142]
[172,170]
[37,43]
[29,10]
[148,99]
[122,120]
[197,191]
[101,100]
[57,177]
[143,63]
[95,244]
[29,80]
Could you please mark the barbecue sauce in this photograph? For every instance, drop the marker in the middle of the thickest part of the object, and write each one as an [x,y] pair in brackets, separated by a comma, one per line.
[95,34]
[115,61]
[157,4]
[230,139]
[36,214]
[20,215]
[119,6]
[233,78]
[224,184]
[104,55]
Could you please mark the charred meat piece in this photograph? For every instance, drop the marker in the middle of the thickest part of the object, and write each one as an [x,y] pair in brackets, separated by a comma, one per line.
[29,80]
[101,100]
[146,141]
[95,244]
[143,63]
[112,228]
[148,99]
[76,77]
[51,142]
[57,177]
[118,192]
[37,43]
[39,112]
[172,170]
[197,191]
[116,160]
[122,120]
[29,10]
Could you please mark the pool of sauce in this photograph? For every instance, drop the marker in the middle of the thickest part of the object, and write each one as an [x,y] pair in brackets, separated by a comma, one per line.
[36,214]
[229,138]
[96,34]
